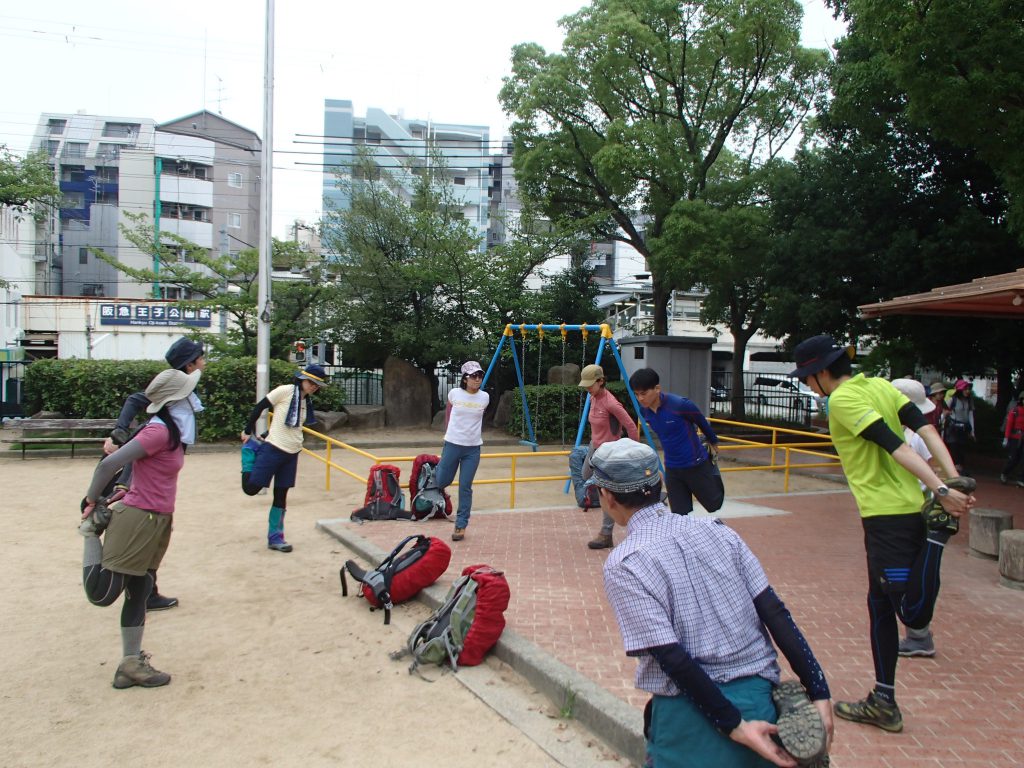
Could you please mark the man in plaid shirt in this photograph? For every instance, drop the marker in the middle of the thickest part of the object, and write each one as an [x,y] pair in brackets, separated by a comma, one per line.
[695,608]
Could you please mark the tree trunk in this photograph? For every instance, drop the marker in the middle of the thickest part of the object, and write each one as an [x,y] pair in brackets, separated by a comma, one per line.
[739,350]
[661,297]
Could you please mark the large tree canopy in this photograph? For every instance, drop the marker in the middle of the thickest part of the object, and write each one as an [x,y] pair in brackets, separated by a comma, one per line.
[645,100]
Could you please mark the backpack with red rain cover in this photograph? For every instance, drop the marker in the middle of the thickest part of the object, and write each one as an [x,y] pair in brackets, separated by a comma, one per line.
[401,574]
[384,499]
[492,597]
[427,501]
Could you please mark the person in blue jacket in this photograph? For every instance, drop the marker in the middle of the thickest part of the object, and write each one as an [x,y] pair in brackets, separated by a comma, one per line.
[689,466]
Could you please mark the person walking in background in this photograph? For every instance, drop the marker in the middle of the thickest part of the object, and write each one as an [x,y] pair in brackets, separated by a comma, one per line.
[186,356]
[607,419]
[918,642]
[689,465]
[1013,441]
[137,529]
[276,457]
[960,424]
[696,610]
[904,547]
[464,424]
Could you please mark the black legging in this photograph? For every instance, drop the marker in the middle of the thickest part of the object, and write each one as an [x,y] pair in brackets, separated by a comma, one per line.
[251,489]
[103,587]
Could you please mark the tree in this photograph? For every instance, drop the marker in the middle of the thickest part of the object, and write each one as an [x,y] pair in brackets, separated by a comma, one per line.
[26,181]
[960,65]
[641,106]
[229,284]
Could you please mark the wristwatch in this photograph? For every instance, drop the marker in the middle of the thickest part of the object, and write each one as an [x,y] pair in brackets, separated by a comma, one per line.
[942,490]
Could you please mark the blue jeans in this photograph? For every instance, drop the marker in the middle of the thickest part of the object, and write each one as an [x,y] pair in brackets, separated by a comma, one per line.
[465,459]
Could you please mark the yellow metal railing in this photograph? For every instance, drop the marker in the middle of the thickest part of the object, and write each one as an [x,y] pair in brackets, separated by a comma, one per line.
[815,447]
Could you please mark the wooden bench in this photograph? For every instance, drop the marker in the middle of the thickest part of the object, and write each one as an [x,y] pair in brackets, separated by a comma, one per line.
[39,432]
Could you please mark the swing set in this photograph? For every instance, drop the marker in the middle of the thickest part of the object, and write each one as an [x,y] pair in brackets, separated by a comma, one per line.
[529,436]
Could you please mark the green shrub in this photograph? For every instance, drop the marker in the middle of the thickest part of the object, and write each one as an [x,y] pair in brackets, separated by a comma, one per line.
[82,389]
[557,415]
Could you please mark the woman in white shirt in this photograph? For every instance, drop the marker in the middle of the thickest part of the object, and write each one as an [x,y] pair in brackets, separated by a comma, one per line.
[464,420]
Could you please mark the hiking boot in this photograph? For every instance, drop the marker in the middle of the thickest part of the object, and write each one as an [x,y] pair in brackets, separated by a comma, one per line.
[917,646]
[458,534]
[872,711]
[97,520]
[158,602]
[601,541]
[801,731]
[280,546]
[136,670]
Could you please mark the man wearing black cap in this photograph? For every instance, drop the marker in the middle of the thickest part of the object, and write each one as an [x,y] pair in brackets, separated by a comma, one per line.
[866,417]
[697,612]
[187,356]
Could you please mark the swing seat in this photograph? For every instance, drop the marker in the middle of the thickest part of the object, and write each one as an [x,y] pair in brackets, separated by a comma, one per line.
[533,445]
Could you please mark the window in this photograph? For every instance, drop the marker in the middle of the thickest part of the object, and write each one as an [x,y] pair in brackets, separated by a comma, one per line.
[55,127]
[73,200]
[235,180]
[52,147]
[83,255]
[106,151]
[235,220]
[75,149]
[460,180]
[121,130]
[200,172]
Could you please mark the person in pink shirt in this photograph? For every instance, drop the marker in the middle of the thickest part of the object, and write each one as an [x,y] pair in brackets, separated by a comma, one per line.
[607,419]
[136,529]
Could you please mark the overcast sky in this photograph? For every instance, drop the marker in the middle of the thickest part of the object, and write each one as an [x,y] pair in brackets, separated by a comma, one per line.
[442,60]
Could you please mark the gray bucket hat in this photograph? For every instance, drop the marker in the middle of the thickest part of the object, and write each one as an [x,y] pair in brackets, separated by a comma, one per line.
[624,466]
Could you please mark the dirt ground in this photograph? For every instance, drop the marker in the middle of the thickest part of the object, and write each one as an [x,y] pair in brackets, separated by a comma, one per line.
[269,665]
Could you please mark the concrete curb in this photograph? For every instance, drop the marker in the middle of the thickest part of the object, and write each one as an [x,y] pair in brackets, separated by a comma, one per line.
[609,718]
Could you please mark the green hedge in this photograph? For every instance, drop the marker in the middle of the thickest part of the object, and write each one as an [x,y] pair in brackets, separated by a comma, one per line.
[558,409]
[82,389]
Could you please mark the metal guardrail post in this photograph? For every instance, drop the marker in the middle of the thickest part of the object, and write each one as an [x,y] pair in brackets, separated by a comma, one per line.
[512,486]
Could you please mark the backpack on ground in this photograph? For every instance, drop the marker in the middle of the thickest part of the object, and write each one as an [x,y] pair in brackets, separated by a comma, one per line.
[466,626]
[400,575]
[586,496]
[384,499]
[426,499]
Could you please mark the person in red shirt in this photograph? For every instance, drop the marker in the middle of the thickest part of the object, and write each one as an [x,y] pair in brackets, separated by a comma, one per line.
[607,419]
[1013,440]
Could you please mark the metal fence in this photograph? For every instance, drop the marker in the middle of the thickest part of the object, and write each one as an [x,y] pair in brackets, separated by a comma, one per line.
[366,387]
[766,396]
[12,377]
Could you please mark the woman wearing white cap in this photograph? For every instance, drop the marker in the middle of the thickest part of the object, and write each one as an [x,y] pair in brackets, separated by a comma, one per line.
[464,421]
[137,530]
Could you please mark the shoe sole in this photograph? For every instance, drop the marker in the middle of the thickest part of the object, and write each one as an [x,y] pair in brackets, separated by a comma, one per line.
[167,607]
[800,728]
[919,654]
[280,547]
[126,682]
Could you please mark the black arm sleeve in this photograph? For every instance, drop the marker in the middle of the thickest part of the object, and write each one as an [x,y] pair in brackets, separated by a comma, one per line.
[131,408]
[879,433]
[695,683]
[108,468]
[258,409]
[791,641]
[911,416]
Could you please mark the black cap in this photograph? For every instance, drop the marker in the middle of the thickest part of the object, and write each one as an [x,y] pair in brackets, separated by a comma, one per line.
[816,354]
[183,352]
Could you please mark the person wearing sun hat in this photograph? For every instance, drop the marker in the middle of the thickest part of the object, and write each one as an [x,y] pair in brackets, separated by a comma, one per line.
[276,457]
[696,611]
[959,429]
[464,421]
[137,529]
[607,418]
[866,417]
[186,355]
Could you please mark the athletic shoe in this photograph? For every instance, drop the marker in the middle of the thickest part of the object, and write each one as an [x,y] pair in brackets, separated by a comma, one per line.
[601,541]
[158,602]
[1019,483]
[1003,479]
[136,670]
[871,711]
[801,731]
[280,546]
[458,534]
[96,521]
[936,518]
[917,646]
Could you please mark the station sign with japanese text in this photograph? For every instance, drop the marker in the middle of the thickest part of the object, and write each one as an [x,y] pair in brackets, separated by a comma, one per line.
[154,315]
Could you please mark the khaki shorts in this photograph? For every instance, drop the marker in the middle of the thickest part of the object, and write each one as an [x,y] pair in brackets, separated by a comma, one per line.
[136,540]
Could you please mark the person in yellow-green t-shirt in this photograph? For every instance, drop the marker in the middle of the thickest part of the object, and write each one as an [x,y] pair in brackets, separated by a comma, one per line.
[866,418]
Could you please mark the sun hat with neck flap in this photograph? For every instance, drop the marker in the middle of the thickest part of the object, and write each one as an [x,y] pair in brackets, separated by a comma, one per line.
[170,385]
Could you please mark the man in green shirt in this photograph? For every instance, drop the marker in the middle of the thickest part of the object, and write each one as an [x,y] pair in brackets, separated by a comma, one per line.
[904,548]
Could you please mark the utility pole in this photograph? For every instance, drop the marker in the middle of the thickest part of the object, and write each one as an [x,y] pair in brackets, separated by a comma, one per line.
[224,252]
[264,306]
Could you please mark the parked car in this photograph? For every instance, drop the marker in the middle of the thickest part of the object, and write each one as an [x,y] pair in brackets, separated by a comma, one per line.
[784,393]
[719,394]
